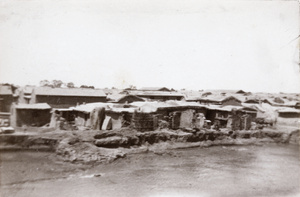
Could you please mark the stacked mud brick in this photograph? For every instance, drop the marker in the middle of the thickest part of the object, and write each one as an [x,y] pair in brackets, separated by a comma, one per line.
[236,120]
[143,121]
[239,121]
[174,120]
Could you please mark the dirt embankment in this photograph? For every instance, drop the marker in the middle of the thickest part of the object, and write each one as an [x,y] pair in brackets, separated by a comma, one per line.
[106,146]
[27,142]
[119,139]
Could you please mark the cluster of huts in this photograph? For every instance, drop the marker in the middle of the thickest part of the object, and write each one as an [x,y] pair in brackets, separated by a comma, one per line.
[147,116]
[143,109]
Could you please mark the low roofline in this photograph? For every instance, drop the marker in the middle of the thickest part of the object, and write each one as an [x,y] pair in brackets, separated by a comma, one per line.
[69,95]
[40,106]
[140,95]
[78,92]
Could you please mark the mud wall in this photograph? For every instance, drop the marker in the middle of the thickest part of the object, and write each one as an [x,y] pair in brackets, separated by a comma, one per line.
[143,121]
[116,119]
[32,117]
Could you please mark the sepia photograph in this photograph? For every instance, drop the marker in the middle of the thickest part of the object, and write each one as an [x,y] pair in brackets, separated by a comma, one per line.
[149,98]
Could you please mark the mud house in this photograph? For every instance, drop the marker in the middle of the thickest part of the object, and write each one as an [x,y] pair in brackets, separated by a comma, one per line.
[99,116]
[215,112]
[6,98]
[64,118]
[223,113]
[170,114]
[31,114]
[66,97]
[183,115]
[289,116]
[90,115]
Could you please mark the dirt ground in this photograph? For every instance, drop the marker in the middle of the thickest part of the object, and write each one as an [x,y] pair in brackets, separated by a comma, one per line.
[91,146]
[214,171]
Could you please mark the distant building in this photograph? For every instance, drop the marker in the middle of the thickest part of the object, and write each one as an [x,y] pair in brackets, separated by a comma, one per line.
[206,94]
[121,98]
[6,98]
[231,100]
[158,95]
[278,100]
[217,100]
[252,101]
[66,97]
[289,116]
[155,89]
[240,92]
[289,113]
[297,105]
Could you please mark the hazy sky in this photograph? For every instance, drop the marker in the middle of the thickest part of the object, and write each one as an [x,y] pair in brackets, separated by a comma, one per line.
[249,45]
